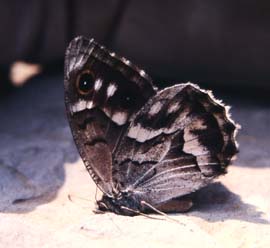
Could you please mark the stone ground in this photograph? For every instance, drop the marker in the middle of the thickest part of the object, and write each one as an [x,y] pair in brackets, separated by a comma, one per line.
[47,197]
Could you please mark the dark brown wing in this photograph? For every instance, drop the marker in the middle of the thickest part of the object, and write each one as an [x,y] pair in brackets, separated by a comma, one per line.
[178,142]
[102,91]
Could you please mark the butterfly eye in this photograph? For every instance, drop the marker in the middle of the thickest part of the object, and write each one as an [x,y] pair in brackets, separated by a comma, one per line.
[85,83]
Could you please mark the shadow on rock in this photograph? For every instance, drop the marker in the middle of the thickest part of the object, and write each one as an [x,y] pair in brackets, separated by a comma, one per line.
[35,145]
[217,203]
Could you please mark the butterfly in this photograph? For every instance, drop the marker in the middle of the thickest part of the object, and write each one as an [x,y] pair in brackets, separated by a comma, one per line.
[144,148]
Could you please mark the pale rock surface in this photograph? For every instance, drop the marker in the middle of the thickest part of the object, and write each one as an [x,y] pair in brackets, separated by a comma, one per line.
[47,197]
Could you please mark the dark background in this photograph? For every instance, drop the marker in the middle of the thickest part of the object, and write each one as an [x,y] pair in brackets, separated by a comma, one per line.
[221,44]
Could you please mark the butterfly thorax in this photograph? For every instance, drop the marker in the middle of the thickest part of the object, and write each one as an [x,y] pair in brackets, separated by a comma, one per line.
[125,203]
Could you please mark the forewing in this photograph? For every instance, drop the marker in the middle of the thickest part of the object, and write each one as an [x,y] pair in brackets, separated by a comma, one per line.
[102,91]
[179,141]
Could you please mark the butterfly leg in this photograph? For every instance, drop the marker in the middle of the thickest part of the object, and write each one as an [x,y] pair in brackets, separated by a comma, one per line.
[177,205]
[98,211]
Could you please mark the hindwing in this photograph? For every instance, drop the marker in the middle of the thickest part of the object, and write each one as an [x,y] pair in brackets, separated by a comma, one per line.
[179,141]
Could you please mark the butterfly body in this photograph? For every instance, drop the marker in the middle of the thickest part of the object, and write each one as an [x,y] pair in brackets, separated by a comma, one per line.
[142,147]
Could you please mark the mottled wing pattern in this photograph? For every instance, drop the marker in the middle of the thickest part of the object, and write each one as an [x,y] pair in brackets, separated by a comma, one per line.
[102,91]
[178,142]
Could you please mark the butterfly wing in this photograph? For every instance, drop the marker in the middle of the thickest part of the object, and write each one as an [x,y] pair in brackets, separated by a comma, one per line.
[102,91]
[178,142]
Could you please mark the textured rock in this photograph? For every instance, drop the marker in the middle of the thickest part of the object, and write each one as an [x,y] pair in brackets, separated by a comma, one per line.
[47,197]
[35,142]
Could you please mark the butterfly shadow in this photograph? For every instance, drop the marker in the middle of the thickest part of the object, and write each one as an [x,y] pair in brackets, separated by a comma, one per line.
[216,202]
[35,145]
